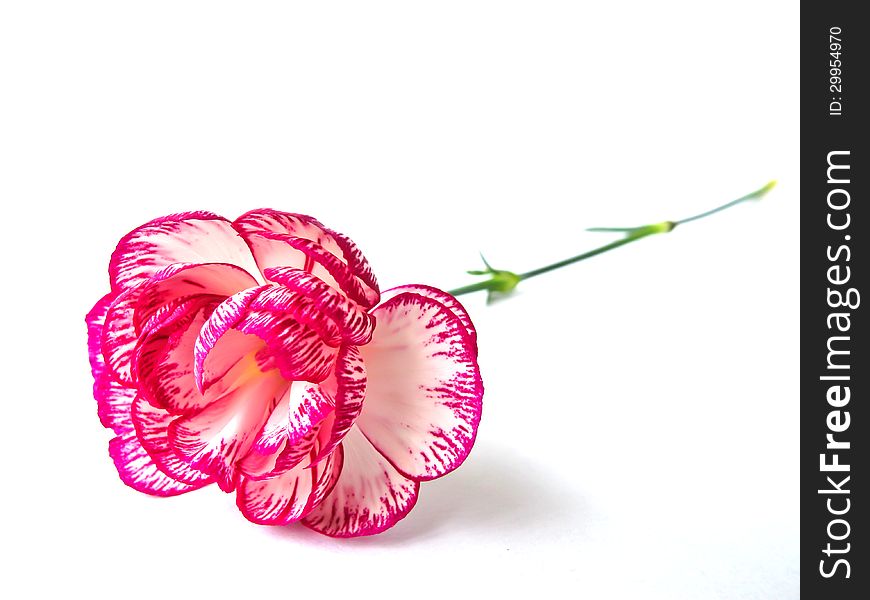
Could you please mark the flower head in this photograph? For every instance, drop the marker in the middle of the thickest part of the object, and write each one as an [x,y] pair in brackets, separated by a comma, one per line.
[260,355]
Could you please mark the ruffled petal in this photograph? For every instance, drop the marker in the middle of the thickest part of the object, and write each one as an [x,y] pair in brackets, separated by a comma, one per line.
[447,300]
[262,465]
[369,496]
[138,307]
[138,470]
[354,323]
[113,399]
[152,427]
[295,349]
[210,363]
[213,439]
[113,403]
[307,406]
[135,466]
[299,411]
[293,333]
[180,281]
[347,386]
[279,239]
[293,454]
[423,402]
[290,495]
[95,320]
[193,237]
[164,355]
[119,337]
[280,250]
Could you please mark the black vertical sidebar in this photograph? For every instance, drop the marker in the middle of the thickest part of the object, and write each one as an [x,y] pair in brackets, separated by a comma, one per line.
[835,337]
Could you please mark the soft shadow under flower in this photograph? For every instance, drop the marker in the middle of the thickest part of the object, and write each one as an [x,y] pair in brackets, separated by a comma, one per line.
[496,490]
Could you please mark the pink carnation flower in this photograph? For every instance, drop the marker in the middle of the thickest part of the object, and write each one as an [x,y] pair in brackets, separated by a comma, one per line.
[260,355]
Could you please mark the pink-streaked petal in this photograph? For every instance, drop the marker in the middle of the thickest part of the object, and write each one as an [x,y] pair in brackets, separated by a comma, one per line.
[307,408]
[423,401]
[138,470]
[293,454]
[354,323]
[369,496]
[210,363]
[119,337]
[273,438]
[295,349]
[180,281]
[113,399]
[262,465]
[194,237]
[269,254]
[358,264]
[300,410]
[113,403]
[289,496]
[288,323]
[326,477]
[163,359]
[152,425]
[280,250]
[287,456]
[137,307]
[278,299]
[447,300]
[95,320]
[213,439]
[297,225]
[347,386]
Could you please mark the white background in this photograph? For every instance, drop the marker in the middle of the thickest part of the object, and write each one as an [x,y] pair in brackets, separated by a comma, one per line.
[640,430]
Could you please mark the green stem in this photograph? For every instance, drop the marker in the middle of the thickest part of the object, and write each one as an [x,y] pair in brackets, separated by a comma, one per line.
[472,287]
[506,281]
[631,235]
[751,196]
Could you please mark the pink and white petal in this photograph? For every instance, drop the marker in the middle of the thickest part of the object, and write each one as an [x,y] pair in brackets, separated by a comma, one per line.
[281,250]
[354,323]
[278,318]
[278,299]
[119,337]
[447,300]
[273,438]
[138,470]
[300,410]
[295,349]
[359,265]
[193,237]
[289,496]
[326,474]
[305,227]
[261,465]
[95,320]
[180,281]
[152,426]
[293,454]
[276,221]
[347,386]
[139,306]
[213,439]
[212,363]
[113,404]
[369,496]
[113,399]
[308,406]
[424,396]
[164,356]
